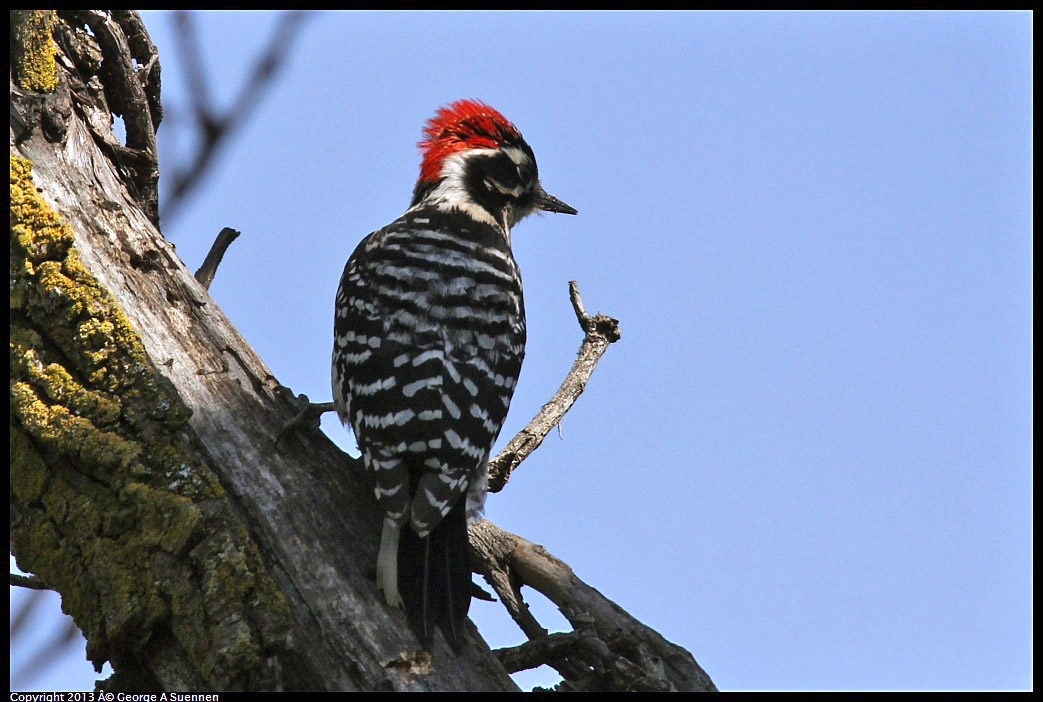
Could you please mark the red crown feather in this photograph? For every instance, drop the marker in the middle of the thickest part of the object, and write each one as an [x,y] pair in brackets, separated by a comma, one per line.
[461,126]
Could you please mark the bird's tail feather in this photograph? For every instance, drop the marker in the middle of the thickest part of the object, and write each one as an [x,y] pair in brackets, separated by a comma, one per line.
[434,576]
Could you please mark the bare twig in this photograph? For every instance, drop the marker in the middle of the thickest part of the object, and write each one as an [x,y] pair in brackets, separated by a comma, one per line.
[617,653]
[534,653]
[205,274]
[29,581]
[600,331]
[191,58]
[215,126]
[490,555]
[48,654]
[491,549]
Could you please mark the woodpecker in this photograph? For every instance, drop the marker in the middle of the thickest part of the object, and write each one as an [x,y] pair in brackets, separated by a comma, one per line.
[429,335]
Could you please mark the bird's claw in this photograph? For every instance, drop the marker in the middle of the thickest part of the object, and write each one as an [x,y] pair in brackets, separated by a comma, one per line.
[308,416]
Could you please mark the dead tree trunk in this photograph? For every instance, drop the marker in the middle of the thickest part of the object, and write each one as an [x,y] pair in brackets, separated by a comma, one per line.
[144,483]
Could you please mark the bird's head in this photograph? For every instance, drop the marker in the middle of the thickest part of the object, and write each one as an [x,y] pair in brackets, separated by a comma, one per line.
[476,161]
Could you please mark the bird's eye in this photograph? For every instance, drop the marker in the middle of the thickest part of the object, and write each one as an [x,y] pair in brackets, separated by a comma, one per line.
[525,173]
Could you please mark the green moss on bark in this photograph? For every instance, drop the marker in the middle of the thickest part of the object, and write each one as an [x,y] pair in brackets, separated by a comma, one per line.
[111,507]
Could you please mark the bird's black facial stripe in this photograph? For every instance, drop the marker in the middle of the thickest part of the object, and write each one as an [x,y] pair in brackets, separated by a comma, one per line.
[515,191]
[498,180]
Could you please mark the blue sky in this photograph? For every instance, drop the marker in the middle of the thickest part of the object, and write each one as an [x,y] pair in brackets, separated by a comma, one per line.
[809,458]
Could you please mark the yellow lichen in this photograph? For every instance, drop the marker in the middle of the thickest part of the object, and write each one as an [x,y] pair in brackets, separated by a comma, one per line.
[108,493]
[33,50]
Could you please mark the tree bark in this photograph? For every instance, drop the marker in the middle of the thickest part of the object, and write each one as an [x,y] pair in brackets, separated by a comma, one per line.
[144,483]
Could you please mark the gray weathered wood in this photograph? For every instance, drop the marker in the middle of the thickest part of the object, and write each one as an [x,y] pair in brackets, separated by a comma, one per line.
[309,512]
[304,506]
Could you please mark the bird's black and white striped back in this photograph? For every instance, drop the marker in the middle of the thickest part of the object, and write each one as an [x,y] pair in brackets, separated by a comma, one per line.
[429,339]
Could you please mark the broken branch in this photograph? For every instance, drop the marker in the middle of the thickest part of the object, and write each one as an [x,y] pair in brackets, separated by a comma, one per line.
[600,331]
[28,581]
[206,272]
[617,651]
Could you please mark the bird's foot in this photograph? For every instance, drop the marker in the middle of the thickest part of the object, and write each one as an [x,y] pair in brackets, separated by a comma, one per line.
[308,414]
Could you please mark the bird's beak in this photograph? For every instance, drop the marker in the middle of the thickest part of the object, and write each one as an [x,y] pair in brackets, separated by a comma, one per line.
[546,201]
